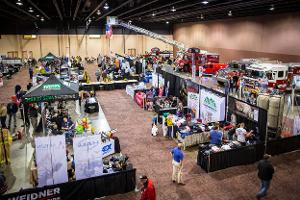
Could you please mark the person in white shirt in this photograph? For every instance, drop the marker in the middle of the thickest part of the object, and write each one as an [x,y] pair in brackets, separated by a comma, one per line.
[241,134]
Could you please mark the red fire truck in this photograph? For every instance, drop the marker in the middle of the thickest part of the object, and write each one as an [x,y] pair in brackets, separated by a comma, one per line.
[201,58]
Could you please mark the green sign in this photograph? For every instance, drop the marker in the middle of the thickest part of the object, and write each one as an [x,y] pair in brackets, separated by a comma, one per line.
[51,87]
[210,103]
[39,99]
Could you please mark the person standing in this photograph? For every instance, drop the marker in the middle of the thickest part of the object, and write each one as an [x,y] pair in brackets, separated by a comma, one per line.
[30,70]
[148,189]
[265,174]
[33,113]
[177,163]
[215,136]
[12,109]
[3,114]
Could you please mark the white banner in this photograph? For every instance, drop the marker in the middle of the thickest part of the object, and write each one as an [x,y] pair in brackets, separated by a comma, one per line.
[51,160]
[108,148]
[87,156]
[193,103]
[212,107]
[155,80]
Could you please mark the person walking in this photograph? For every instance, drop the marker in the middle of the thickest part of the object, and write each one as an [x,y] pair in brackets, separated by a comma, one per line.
[265,174]
[148,189]
[12,109]
[3,114]
[177,163]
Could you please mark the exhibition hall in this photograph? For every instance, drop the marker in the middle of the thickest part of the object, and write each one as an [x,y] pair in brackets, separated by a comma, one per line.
[149,99]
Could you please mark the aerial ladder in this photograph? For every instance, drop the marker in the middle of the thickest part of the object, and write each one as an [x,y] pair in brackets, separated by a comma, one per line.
[128,25]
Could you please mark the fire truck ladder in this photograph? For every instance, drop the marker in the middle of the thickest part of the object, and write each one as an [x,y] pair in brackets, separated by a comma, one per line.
[175,43]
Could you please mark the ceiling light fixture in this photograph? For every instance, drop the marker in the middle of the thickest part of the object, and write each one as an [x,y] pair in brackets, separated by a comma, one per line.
[202,16]
[167,22]
[153,14]
[42,19]
[272,8]
[19,3]
[98,12]
[173,9]
[37,15]
[230,13]
[106,7]
[30,10]
[205,2]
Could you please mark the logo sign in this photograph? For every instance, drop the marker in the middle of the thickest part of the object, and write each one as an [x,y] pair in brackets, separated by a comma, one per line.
[46,194]
[210,103]
[51,87]
[108,148]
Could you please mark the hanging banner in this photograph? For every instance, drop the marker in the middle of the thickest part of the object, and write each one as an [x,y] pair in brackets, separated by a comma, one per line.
[51,160]
[297,125]
[87,156]
[193,103]
[212,107]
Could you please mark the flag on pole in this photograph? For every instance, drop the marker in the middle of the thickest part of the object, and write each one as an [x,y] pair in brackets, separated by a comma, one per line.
[108,31]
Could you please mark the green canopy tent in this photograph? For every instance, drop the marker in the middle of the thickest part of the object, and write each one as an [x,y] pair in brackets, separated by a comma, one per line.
[50,56]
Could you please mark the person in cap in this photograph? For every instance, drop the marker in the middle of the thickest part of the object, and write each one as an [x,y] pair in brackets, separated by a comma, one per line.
[177,161]
[265,174]
[148,190]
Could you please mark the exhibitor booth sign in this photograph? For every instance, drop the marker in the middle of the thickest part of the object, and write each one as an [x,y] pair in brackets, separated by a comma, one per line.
[212,106]
[193,103]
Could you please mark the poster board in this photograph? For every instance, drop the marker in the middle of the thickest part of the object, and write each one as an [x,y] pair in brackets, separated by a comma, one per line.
[108,148]
[212,106]
[193,103]
[87,156]
[51,160]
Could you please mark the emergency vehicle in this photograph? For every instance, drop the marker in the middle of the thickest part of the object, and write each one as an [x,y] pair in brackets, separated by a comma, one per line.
[257,74]
[201,58]
[294,75]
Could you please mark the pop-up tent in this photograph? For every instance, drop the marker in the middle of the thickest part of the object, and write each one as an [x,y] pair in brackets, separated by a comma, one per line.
[53,89]
[48,57]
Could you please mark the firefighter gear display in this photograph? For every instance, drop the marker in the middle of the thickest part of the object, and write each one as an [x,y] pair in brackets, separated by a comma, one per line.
[5,142]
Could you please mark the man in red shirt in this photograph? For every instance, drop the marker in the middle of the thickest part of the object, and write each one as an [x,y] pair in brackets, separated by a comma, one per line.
[148,190]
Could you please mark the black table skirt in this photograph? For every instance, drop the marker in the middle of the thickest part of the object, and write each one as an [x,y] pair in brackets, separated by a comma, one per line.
[234,157]
[110,184]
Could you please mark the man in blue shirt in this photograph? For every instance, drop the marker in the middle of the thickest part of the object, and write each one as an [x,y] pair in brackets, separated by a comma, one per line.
[215,136]
[177,156]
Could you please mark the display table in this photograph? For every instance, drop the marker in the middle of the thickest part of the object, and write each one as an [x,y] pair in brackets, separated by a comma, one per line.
[120,84]
[220,160]
[193,139]
[91,188]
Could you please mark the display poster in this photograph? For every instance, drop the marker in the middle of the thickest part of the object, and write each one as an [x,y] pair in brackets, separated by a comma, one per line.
[59,159]
[51,160]
[193,103]
[297,125]
[212,106]
[87,157]
[154,80]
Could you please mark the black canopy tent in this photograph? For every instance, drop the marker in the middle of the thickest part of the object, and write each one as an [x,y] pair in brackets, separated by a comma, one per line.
[53,89]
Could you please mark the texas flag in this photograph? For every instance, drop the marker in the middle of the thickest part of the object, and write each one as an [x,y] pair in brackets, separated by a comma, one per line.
[108,31]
